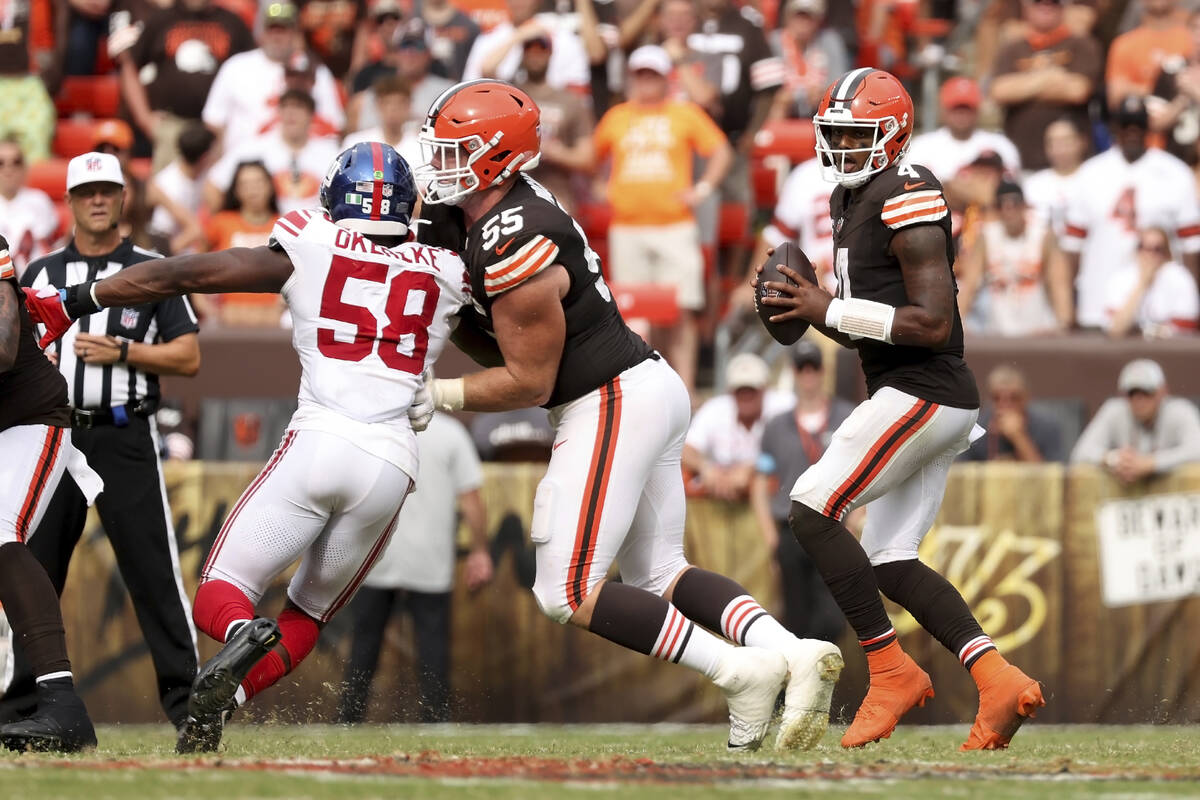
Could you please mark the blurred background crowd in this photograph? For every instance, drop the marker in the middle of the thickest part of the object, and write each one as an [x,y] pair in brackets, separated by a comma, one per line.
[678,132]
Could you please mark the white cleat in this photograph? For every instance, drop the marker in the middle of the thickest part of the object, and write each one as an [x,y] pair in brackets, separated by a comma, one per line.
[751,679]
[813,670]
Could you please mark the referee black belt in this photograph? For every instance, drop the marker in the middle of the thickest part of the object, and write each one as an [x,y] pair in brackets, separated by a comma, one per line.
[118,416]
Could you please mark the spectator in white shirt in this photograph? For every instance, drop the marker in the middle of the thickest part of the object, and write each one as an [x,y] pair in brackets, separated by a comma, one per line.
[725,437]
[181,182]
[1049,189]
[960,141]
[296,159]
[28,219]
[1117,193]
[497,53]
[246,89]
[1153,293]
[393,100]
[1144,432]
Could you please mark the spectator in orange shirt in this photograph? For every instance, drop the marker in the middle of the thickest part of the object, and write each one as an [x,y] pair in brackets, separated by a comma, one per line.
[652,141]
[245,220]
[1135,58]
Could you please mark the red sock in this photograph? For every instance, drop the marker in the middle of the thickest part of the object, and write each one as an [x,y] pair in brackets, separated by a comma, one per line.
[219,604]
[298,635]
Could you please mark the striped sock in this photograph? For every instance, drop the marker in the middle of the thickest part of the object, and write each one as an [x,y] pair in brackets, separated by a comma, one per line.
[681,641]
[746,622]
[872,644]
[970,652]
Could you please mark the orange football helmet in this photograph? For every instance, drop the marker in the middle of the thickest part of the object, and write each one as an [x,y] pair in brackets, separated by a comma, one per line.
[476,134]
[864,98]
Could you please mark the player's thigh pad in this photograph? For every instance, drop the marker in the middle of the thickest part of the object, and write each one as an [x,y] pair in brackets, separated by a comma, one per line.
[34,460]
[898,520]
[369,492]
[606,446]
[887,439]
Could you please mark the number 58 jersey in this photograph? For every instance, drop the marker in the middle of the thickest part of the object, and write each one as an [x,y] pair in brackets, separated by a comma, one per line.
[366,322]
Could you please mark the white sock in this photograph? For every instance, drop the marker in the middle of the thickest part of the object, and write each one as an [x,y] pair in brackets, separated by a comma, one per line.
[746,622]
[684,642]
[53,676]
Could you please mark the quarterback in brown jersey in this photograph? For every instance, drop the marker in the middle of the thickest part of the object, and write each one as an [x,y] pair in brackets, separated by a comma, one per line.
[613,490]
[895,304]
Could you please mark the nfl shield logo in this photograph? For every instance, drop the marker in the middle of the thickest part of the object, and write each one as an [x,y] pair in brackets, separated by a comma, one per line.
[92,165]
[129,317]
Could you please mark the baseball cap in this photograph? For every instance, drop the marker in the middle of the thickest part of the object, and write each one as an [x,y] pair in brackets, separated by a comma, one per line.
[412,35]
[94,168]
[1131,111]
[541,41]
[814,7]
[384,8]
[806,353]
[279,13]
[1010,187]
[113,132]
[747,370]
[959,91]
[651,57]
[1141,374]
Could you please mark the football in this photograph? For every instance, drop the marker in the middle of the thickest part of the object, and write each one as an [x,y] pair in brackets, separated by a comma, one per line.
[792,256]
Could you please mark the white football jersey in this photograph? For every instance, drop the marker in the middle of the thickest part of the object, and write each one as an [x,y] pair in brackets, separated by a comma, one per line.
[1112,200]
[1047,193]
[802,217]
[366,322]
[944,155]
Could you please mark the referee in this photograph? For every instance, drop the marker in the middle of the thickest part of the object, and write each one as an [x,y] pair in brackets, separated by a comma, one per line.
[111,362]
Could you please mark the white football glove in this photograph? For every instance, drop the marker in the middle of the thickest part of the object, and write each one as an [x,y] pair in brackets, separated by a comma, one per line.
[420,412]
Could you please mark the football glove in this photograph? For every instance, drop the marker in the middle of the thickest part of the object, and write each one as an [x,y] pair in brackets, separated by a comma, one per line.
[57,309]
[420,411]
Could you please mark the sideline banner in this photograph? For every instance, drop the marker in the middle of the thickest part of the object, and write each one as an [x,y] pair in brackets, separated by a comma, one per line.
[1088,585]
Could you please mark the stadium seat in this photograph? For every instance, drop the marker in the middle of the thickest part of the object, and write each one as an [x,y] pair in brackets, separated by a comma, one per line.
[651,302]
[66,221]
[94,95]
[793,138]
[73,137]
[141,168]
[733,225]
[50,176]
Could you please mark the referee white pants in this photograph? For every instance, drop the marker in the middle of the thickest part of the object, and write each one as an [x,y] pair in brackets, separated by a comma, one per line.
[613,490]
[33,459]
[892,454]
[319,499]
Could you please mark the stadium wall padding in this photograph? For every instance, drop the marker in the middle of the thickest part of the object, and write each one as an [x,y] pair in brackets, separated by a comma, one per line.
[1020,541]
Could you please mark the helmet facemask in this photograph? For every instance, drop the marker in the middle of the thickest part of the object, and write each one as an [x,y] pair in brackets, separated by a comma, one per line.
[833,161]
[457,176]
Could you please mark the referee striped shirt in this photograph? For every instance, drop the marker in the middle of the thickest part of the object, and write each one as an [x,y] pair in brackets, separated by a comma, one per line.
[104,386]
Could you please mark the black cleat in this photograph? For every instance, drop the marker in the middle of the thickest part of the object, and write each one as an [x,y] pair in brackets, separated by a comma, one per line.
[59,725]
[202,735]
[218,680]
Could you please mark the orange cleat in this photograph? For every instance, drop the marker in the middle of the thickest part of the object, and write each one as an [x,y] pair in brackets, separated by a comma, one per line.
[897,686]
[1007,697]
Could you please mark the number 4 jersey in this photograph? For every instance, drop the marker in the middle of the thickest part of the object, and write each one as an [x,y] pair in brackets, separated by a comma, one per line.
[864,221]
[366,322]
[526,232]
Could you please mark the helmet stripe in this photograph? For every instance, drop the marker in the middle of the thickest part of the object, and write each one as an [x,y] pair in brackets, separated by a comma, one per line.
[377,183]
[849,83]
[445,96]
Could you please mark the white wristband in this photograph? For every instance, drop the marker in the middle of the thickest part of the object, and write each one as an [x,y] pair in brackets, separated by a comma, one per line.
[448,394]
[92,292]
[861,319]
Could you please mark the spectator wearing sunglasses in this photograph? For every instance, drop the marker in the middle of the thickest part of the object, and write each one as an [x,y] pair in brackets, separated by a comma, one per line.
[1144,431]
[28,220]
[1153,293]
[1048,74]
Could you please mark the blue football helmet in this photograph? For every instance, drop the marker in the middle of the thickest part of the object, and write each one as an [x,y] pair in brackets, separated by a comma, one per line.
[369,188]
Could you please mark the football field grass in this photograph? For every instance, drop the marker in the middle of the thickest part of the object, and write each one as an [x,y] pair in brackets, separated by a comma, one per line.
[618,761]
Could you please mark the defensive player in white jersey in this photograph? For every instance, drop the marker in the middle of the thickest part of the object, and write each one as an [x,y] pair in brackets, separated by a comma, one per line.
[370,313]
[613,491]
[1117,193]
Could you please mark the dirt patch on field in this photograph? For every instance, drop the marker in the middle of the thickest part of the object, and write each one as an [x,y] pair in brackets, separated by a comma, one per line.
[434,766]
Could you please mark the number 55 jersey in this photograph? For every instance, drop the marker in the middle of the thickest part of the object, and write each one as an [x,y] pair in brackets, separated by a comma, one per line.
[367,321]
[526,232]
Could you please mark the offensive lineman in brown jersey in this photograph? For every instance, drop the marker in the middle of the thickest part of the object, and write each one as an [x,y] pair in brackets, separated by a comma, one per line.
[613,490]
[35,450]
[895,304]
